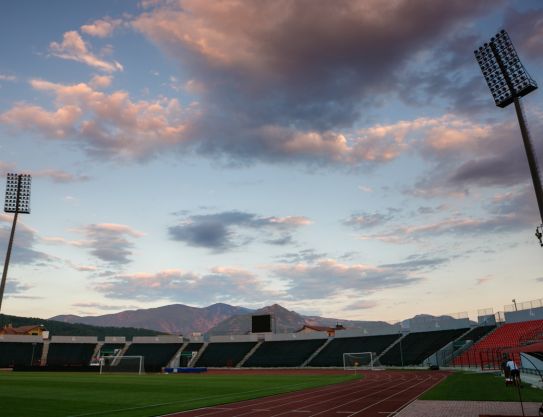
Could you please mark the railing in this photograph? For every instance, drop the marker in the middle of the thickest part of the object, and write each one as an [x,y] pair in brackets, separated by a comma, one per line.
[525,305]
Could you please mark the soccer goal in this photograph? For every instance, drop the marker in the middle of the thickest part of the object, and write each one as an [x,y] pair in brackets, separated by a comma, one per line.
[358,360]
[110,364]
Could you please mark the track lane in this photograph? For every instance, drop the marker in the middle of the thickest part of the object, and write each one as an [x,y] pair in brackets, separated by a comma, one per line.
[379,394]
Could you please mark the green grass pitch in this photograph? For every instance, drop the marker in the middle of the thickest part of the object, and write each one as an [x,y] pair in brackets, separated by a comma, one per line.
[48,394]
[466,386]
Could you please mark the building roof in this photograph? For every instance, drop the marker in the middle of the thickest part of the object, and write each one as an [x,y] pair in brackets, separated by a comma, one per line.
[322,328]
[19,330]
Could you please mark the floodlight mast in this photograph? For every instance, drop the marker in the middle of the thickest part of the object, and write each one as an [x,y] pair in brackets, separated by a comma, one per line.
[17,201]
[508,81]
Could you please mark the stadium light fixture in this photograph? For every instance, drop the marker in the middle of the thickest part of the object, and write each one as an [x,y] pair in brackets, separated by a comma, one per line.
[17,201]
[508,80]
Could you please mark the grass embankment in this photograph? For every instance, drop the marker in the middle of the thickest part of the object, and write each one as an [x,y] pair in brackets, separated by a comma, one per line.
[75,394]
[465,386]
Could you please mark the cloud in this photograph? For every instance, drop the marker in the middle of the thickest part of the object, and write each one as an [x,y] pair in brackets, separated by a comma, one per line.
[13,286]
[363,220]
[25,239]
[102,28]
[6,77]
[361,305]
[303,256]
[59,176]
[221,284]
[74,48]
[464,154]
[104,307]
[101,81]
[230,229]
[328,277]
[109,242]
[417,263]
[526,31]
[323,61]
[483,280]
[505,213]
[108,125]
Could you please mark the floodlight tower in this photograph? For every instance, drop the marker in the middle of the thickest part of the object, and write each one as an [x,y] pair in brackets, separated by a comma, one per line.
[17,201]
[508,81]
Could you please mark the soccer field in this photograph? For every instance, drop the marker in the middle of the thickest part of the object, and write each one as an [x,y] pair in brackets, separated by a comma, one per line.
[48,394]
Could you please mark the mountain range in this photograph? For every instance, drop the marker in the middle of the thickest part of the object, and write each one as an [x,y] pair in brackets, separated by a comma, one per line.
[216,319]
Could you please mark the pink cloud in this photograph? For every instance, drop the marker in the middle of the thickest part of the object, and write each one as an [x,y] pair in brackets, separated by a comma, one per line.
[101,28]
[57,124]
[101,81]
[74,48]
[58,175]
[109,124]
[483,280]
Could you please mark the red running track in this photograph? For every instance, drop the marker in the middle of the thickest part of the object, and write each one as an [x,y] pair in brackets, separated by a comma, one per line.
[379,394]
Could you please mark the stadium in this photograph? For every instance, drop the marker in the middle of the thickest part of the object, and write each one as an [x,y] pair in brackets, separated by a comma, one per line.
[340,157]
[408,361]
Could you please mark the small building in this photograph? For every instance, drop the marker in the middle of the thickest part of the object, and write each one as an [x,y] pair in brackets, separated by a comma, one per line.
[31,330]
[312,329]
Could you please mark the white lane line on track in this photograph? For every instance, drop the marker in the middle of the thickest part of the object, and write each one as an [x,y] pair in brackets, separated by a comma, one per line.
[119,410]
[391,396]
[371,405]
[299,396]
[384,384]
[443,377]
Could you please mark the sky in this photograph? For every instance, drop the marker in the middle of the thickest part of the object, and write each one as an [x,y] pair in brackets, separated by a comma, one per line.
[341,158]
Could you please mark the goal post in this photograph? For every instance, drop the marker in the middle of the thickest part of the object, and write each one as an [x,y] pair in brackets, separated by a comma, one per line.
[130,364]
[359,360]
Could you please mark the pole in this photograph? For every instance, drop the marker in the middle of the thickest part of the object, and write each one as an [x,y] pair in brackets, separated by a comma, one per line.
[530,154]
[532,161]
[10,244]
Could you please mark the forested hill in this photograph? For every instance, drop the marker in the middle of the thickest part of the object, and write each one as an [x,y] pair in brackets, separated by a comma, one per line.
[57,328]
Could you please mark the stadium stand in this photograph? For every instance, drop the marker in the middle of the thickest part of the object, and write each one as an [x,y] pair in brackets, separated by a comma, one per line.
[283,353]
[156,355]
[487,353]
[20,354]
[70,354]
[109,348]
[224,354]
[477,333]
[332,354]
[414,348]
[193,347]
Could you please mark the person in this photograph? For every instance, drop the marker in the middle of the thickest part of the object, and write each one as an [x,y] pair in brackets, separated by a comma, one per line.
[514,371]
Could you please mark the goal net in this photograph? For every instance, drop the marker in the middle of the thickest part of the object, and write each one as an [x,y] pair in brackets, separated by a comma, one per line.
[109,364]
[358,360]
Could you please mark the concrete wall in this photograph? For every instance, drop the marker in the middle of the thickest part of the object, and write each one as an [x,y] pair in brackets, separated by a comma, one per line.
[487,320]
[234,338]
[524,315]
[435,323]
[363,332]
[115,339]
[20,338]
[295,336]
[74,339]
[157,339]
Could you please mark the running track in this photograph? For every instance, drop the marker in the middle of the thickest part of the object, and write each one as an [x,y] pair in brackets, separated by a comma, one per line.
[379,394]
